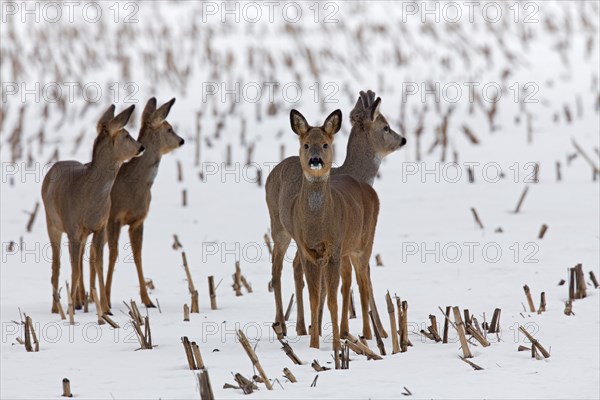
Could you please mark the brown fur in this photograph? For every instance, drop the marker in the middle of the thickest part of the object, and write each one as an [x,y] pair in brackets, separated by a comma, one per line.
[329,219]
[369,142]
[77,200]
[131,193]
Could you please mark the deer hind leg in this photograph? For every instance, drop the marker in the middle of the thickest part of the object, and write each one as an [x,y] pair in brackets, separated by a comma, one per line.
[55,236]
[113,231]
[332,279]
[372,303]
[365,293]
[346,274]
[136,236]
[98,241]
[313,281]
[281,242]
[299,281]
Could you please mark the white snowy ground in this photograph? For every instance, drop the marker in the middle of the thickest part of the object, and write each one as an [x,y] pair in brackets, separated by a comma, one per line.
[425,219]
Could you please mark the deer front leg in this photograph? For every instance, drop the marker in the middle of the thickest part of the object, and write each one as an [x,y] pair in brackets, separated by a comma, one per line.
[332,279]
[281,242]
[299,281]
[136,235]
[113,231]
[75,254]
[365,294]
[80,292]
[81,287]
[92,272]
[98,241]
[322,296]
[313,281]
[346,274]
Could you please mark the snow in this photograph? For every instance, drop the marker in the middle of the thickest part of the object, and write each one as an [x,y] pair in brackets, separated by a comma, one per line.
[434,254]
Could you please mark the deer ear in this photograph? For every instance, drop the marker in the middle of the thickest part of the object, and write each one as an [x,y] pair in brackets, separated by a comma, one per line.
[105,118]
[333,123]
[163,111]
[371,96]
[357,111]
[364,99]
[118,122]
[149,110]
[375,109]
[298,122]
[359,104]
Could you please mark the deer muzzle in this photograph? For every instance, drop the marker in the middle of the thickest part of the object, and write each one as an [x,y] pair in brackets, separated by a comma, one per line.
[316,163]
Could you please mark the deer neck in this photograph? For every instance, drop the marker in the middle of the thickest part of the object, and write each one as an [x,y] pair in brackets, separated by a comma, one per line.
[362,163]
[143,170]
[102,170]
[314,199]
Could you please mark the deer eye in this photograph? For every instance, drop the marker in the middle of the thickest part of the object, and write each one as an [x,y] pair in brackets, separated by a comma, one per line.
[325,146]
[386,128]
[305,146]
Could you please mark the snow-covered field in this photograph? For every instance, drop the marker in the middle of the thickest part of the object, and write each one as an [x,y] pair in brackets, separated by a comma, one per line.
[543,56]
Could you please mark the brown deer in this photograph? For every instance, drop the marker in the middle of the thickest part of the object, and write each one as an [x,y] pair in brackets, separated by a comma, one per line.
[131,196]
[371,139]
[329,219]
[77,200]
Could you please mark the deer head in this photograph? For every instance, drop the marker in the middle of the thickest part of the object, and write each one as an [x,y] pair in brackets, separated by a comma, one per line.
[315,143]
[116,139]
[381,137]
[156,132]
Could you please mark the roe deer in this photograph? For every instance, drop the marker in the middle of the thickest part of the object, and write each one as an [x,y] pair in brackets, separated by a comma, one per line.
[329,219]
[371,139]
[77,200]
[131,196]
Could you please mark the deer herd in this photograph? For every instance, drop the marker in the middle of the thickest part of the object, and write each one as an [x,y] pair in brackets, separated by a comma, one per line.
[330,213]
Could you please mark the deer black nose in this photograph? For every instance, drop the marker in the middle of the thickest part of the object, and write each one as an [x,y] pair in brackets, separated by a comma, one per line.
[181,142]
[316,163]
[141,150]
[403,142]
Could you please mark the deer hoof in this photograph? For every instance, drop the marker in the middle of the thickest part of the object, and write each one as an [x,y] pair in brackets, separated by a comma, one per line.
[149,304]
